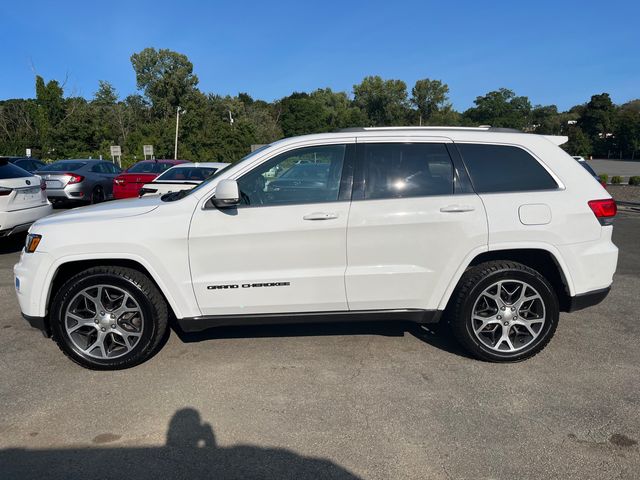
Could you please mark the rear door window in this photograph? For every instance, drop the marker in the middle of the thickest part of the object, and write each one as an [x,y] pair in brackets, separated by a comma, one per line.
[504,168]
[400,170]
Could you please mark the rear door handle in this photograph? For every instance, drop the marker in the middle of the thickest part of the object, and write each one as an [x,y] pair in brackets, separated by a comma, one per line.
[320,216]
[457,209]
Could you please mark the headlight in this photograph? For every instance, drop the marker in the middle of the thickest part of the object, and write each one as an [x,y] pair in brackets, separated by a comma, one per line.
[32,242]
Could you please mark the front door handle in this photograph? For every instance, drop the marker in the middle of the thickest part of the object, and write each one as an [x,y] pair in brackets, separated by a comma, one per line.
[320,216]
[457,209]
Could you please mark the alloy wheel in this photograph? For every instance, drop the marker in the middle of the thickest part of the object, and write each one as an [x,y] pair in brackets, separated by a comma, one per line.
[104,321]
[508,316]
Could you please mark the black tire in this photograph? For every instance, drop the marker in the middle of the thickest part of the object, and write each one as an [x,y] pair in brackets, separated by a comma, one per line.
[471,286]
[151,302]
[97,195]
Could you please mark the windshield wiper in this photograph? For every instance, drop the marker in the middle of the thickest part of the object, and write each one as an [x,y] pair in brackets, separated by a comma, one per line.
[173,196]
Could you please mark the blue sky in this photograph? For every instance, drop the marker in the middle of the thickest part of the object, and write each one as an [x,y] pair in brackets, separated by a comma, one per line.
[558,52]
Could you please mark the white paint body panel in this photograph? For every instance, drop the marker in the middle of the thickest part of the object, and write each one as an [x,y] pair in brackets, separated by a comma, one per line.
[25,204]
[396,249]
[396,253]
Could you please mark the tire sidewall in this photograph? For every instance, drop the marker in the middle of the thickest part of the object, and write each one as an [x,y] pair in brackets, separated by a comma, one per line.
[551,306]
[149,331]
[97,195]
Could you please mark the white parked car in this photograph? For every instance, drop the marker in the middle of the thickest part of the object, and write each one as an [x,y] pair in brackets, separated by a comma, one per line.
[23,199]
[495,231]
[181,177]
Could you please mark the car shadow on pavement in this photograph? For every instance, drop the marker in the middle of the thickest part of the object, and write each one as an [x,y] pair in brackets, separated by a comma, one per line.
[190,452]
[436,335]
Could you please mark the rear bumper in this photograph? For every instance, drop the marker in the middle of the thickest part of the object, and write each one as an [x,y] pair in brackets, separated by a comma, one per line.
[77,191]
[20,220]
[591,264]
[589,299]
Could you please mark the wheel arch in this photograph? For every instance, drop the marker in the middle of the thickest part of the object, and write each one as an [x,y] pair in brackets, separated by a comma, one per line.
[542,259]
[67,269]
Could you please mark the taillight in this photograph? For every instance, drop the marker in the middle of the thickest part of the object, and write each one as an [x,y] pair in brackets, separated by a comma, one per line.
[43,185]
[5,191]
[74,178]
[604,210]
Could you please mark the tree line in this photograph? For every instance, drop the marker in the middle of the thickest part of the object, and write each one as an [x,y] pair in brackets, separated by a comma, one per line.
[222,128]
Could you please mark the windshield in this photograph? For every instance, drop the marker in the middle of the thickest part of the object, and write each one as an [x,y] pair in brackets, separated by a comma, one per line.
[149,167]
[63,167]
[170,197]
[307,171]
[187,174]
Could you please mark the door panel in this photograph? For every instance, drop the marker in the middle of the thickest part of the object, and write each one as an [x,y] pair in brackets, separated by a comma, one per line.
[269,259]
[402,252]
[408,231]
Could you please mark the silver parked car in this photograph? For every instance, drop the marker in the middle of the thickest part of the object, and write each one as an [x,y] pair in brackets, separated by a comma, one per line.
[81,180]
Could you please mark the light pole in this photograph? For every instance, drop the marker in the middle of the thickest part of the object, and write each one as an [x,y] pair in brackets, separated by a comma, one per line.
[179,111]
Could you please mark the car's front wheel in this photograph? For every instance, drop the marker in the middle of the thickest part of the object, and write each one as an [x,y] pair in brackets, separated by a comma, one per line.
[504,311]
[109,318]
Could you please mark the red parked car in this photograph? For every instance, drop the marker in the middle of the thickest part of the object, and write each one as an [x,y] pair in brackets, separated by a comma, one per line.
[129,182]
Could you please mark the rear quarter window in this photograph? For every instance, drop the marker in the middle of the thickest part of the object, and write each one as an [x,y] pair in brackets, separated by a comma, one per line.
[504,168]
[9,170]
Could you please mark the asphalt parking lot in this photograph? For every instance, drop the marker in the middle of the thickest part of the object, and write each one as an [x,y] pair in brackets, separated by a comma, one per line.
[388,401]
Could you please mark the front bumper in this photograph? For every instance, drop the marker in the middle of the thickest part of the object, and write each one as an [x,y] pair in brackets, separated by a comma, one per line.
[586,300]
[40,323]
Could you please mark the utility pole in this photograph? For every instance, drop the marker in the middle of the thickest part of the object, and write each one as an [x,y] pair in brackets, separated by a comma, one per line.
[179,111]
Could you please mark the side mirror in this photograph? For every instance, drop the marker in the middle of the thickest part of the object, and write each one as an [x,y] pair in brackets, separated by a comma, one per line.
[227,194]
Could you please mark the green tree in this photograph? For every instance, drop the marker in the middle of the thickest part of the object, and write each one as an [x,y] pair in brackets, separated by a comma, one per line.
[165,77]
[597,122]
[627,130]
[106,94]
[383,101]
[430,97]
[579,143]
[500,108]
[299,114]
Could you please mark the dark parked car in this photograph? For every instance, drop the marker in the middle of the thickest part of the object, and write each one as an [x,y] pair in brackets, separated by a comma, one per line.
[25,163]
[81,180]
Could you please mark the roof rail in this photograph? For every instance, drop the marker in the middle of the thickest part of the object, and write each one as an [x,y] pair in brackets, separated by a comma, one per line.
[481,128]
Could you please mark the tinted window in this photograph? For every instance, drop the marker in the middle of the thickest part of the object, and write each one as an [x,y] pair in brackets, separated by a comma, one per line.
[588,168]
[98,168]
[407,170]
[305,175]
[25,164]
[149,167]
[194,174]
[9,170]
[112,168]
[502,168]
[63,166]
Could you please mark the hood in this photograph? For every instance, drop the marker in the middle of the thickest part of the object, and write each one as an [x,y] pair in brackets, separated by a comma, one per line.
[103,211]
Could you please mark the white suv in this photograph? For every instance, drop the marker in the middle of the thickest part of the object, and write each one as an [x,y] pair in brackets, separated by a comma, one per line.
[498,230]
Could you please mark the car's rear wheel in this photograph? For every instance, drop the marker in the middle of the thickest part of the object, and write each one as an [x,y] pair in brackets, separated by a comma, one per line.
[97,195]
[109,318]
[504,311]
